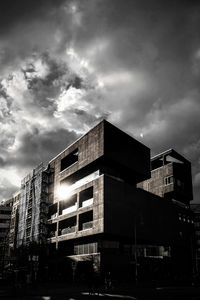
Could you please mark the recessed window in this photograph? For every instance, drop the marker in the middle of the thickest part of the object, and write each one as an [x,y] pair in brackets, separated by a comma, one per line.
[86,197]
[169,180]
[86,220]
[67,226]
[69,160]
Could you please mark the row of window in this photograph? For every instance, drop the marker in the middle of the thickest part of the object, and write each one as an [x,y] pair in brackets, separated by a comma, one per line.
[70,205]
[168,180]
[85,249]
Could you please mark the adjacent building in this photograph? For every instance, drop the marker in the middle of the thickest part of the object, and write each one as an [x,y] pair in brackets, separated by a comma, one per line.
[5,215]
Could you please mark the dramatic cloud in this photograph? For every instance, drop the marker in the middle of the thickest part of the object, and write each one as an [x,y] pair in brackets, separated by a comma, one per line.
[65,65]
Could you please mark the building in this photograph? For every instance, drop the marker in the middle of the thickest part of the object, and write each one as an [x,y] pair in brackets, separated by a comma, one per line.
[33,208]
[172,181]
[170,177]
[101,217]
[196,211]
[99,206]
[14,222]
[84,224]
[5,214]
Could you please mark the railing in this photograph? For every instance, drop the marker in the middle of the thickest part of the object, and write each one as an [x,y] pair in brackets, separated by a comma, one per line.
[87,202]
[68,230]
[87,225]
[69,209]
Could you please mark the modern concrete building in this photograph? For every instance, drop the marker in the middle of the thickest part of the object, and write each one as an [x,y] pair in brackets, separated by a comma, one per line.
[5,215]
[110,209]
[89,204]
[170,177]
[101,217]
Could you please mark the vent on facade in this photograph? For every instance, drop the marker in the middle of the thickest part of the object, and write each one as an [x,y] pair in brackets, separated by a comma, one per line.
[69,160]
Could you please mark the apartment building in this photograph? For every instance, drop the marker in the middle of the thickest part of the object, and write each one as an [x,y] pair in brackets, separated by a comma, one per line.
[85,214]
[32,202]
[5,215]
[170,177]
[171,180]
[101,218]
[102,205]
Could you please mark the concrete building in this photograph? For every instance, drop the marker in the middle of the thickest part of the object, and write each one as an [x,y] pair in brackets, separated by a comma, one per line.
[32,208]
[100,217]
[170,177]
[108,210]
[196,211]
[5,213]
[14,222]
[89,202]
[171,180]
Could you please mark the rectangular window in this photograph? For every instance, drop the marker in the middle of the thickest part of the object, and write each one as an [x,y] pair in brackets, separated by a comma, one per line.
[85,249]
[69,160]
[86,197]
[169,180]
[86,220]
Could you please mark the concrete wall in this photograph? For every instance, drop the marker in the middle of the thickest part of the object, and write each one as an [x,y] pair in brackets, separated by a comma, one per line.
[157,219]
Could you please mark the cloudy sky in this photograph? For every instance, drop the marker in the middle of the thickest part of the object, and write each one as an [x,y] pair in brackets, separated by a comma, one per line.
[65,65]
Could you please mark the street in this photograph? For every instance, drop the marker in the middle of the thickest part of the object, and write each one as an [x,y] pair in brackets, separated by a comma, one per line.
[77,292]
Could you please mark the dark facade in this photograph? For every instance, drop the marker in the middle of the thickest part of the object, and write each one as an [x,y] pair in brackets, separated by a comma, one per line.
[196,211]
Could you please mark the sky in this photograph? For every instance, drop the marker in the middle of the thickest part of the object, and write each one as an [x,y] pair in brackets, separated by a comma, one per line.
[66,65]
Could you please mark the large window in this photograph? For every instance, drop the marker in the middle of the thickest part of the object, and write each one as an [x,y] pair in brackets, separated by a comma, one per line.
[85,248]
[86,220]
[69,160]
[86,197]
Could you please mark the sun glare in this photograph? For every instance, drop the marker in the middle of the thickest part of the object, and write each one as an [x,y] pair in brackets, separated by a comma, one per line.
[63,192]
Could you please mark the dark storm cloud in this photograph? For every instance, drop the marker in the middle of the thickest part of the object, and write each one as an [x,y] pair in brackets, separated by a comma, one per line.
[134,62]
[39,147]
[13,12]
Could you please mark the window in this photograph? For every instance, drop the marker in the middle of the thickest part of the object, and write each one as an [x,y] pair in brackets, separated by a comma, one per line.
[169,180]
[69,160]
[67,226]
[85,248]
[86,220]
[86,197]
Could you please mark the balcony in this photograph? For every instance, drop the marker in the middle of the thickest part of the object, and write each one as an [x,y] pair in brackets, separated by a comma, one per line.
[87,225]
[87,202]
[68,230]
[69,209]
